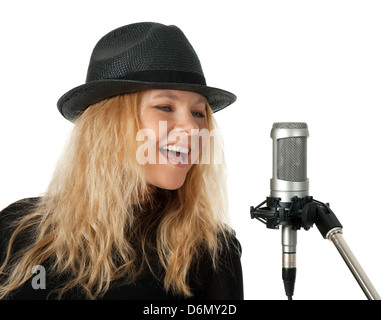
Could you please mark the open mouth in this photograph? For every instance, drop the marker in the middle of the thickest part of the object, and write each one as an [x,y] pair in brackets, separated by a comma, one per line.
[175,154]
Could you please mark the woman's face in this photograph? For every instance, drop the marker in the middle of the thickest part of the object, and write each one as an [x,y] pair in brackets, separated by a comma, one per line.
[173,120]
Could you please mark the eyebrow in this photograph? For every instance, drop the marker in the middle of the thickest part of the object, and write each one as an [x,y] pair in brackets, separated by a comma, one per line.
[166,95]
[176,97]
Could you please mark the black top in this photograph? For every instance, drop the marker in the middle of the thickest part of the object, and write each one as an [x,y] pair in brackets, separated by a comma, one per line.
[206,283]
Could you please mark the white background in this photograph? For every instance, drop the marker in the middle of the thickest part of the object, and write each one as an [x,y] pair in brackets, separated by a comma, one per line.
[311,61]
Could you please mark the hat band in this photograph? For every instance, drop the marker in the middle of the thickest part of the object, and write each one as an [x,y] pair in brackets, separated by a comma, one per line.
[165,76]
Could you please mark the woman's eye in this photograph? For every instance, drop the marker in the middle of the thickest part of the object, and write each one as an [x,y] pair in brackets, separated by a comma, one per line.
[198,114]
[164,108]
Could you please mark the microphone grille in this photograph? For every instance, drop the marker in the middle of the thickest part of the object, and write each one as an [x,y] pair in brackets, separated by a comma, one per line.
[292,154]
[290,125]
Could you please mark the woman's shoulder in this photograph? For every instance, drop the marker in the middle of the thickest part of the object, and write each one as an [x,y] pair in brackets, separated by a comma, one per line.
[13,213]
[231,243]
[230,254]
[18,208]
[225,281]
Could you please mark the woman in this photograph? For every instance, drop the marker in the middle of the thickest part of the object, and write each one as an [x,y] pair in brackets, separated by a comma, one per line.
[126,217]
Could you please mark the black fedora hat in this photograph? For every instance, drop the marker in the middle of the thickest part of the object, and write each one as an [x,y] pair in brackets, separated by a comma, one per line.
[138,57]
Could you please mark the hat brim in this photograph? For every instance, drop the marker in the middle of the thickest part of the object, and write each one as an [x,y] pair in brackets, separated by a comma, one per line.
[72,104]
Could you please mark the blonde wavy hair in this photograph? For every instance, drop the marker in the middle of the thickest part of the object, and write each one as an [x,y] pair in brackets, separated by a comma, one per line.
[86,224]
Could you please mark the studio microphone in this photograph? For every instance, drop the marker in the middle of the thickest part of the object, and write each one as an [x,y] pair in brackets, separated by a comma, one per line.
[289,180]
[290,206]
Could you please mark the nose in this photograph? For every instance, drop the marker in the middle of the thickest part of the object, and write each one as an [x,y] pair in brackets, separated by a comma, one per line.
[185,122]
[184,129]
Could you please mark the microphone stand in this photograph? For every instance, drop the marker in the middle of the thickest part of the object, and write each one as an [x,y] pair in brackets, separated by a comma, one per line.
[305,212]
[337,239]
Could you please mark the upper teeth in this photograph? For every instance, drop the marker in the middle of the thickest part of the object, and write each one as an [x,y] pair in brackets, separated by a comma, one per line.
[176,149]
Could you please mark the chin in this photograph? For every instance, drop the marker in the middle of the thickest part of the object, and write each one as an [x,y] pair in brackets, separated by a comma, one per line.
[167,178]
[170,185]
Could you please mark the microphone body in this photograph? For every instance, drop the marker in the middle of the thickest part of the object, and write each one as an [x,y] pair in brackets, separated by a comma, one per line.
[289,180]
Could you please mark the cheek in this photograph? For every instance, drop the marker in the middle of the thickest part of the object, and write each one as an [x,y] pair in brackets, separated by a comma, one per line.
[202,123]
[157,125]
[147,121]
